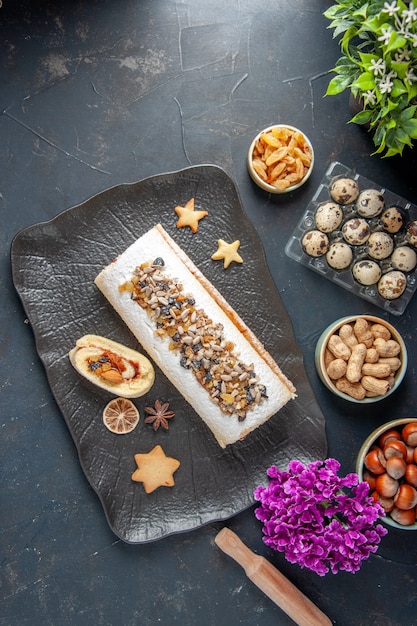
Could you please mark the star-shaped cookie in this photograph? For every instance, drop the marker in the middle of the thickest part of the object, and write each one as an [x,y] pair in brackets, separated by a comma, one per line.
[155,469]
[228,252]
[188,216]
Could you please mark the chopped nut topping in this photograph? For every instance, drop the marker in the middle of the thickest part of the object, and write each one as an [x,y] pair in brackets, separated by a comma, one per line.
[198,341]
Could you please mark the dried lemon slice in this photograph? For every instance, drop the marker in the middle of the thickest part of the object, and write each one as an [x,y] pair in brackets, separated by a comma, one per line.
[120,416]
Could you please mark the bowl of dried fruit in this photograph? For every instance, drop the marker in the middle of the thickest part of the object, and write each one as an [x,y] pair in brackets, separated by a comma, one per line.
[387,461]
[361,358]
[280,158]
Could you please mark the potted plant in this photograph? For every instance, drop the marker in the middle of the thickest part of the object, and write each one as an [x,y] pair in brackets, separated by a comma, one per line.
[319,520]
[378,41]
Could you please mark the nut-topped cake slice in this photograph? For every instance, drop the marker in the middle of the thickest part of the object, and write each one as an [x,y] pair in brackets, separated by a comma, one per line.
[195,336]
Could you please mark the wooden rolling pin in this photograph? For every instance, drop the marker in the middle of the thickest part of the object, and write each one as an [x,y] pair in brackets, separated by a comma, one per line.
[274,584]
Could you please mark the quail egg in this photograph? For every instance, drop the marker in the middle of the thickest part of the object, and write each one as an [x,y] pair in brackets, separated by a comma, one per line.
[392,285]
[366,272]
[370,203]
[339,255]
[392,219]
[404,259]
[328,217]
[356,231]
[380,245]
[315,243]
[412,233]
[344,190]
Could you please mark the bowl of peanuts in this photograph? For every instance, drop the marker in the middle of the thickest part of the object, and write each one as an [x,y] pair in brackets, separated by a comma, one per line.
[387,461]
[280,159]
[361,358]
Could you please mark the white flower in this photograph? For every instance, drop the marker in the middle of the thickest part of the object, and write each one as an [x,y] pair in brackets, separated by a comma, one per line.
[385,85]
[369,97]
[409,16]
[402,55]
[386,34]
[410,77]
[391,9]
[378,67]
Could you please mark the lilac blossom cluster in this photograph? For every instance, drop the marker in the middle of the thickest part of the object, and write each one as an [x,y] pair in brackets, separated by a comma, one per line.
[319,520]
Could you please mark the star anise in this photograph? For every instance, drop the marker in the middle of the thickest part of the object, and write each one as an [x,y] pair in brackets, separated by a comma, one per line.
[158,415]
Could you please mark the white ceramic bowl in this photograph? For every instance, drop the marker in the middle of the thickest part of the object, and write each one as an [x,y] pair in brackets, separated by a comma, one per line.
[371,441]
[321,351]
[255,176]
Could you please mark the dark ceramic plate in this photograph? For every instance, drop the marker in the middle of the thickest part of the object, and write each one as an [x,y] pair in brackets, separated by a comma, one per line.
[54,265]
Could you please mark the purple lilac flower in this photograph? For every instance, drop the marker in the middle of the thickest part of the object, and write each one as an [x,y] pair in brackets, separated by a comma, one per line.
[318,519]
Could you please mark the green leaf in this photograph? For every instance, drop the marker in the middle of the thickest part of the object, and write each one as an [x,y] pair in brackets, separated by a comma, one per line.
[337,85]
[411,91]
[367,58]
[400,69]
[393,152]
[394,143]
[372,24]
[396,41]
[379,139]
[345,26]
[346,66]
[349,34]
[365,82]
[336,11]
[408,113]
[388,108]
[331,12]
[401,136]
[410,127]
[363,117]
[398,89]
[362,11]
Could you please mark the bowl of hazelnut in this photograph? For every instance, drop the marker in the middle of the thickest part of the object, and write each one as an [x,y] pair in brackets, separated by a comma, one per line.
[387,461]
[361,358]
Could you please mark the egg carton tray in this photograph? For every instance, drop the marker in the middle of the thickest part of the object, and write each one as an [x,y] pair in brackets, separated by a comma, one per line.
[344,278]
